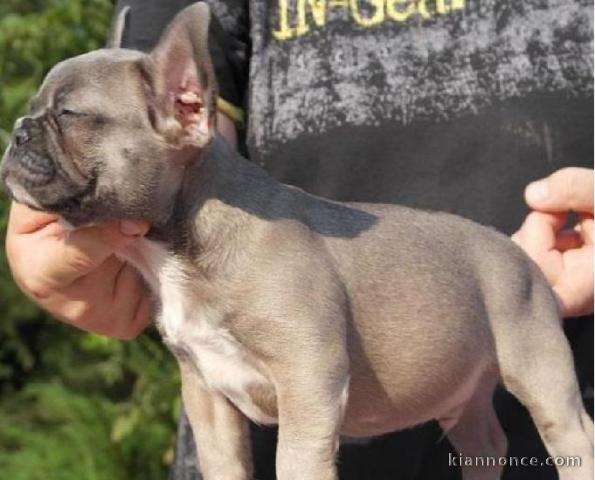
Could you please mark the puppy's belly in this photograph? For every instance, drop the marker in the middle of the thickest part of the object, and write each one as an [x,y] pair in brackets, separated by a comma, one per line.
[371,411]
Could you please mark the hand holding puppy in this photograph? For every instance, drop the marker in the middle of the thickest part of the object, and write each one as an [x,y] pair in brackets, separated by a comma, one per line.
[75,275]
[565,256]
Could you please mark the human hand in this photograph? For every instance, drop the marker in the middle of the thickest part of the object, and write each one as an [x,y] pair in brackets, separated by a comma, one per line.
[564,255]
[75,275]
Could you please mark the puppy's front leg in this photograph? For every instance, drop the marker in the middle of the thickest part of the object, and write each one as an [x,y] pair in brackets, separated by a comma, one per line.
[220,430]
[310,416]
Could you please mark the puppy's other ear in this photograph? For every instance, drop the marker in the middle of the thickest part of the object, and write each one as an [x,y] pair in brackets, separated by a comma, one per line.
[183,79]
[117,31]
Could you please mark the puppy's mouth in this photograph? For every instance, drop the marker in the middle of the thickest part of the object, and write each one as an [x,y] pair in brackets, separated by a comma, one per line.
[30,168]
[34,179]
[73,204]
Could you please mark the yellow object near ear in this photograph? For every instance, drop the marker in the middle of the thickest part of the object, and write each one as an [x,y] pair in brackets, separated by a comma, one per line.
[233,112]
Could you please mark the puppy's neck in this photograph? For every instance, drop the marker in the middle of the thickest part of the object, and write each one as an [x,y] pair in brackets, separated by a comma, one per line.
[221,198]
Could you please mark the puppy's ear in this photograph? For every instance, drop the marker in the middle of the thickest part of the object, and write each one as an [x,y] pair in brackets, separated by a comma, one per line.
[117,32]
[183,80]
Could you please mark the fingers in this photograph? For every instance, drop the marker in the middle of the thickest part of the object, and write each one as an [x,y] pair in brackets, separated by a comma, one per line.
[564,256]
[539,232]
[111,300]
[538,237]
[84,249]
[59,257]
[574,287]
[567,189]
[75,275]
[567,240]
[22,219]
[130,306]
[585,228]
[542,232]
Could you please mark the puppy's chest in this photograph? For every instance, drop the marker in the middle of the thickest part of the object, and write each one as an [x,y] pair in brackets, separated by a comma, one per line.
[193,333]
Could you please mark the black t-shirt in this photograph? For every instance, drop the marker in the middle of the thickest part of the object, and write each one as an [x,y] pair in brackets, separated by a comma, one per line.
[450,105]
[443,104]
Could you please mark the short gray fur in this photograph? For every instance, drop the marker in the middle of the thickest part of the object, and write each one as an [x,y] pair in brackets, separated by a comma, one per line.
[361,318]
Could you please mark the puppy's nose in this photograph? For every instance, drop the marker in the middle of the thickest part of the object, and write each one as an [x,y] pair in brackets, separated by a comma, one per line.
[22,131]
[21,136]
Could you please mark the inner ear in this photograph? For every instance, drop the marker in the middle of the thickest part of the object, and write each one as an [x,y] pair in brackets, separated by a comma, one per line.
[183,79]
[191,110]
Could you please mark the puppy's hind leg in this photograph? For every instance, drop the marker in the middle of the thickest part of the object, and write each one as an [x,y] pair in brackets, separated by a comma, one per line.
[478,436]
[537,367]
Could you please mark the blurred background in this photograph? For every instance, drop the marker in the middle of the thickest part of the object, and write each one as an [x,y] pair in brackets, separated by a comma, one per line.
[72,405]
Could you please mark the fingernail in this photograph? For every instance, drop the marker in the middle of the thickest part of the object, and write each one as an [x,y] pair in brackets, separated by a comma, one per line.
[130,228]
[537,191]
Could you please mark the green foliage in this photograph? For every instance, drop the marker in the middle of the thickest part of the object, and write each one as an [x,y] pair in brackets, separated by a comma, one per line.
[58,434]
[72,405]
[35,35]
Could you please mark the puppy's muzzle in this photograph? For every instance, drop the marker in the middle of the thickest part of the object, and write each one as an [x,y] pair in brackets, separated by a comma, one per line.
[29,165]
[21,136]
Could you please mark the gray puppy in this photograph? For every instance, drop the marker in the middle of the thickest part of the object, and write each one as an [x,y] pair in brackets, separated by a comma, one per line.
[282,307]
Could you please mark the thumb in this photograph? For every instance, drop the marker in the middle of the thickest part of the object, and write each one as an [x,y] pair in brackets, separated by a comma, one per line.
[84,249]
[564,190]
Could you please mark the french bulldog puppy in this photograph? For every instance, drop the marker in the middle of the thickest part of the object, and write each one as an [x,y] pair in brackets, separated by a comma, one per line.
[321,317]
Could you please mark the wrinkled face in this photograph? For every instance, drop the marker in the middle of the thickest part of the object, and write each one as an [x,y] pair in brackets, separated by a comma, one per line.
[88,148]
[111,132]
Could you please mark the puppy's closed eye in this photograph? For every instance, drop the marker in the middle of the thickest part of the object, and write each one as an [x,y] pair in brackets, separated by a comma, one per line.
[68,112]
